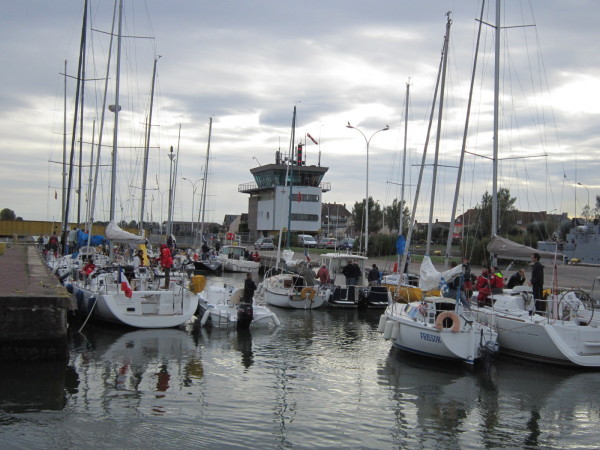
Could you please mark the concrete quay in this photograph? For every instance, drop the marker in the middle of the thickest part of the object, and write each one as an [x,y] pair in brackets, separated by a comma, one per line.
[33,307]
[569,276]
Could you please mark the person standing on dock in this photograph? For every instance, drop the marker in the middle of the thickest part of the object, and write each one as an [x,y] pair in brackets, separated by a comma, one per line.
[166,262]
[537,282]
[249,288]
[374,276]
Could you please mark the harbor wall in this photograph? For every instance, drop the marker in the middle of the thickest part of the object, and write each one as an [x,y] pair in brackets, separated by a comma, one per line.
[34,307]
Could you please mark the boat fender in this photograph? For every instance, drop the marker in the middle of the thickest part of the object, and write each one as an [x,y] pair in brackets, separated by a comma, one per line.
[387,333]
[197,284]
[205,317]
[395,331]
[69,288]
[307,292]
[439,322]
[79,296]
[275,320]
[382,321]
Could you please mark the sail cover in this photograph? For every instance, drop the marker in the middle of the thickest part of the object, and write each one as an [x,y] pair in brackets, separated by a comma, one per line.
[505,248]
[430,278]
[117,235]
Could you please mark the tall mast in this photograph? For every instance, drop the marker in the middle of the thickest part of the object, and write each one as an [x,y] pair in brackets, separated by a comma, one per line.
[102,115]
[438,136]
[64,169]
[116,109]
[422,168]
[65,224]
[203,209]
[464,145]
[147,150]
[80,171]
[401,215]
[496,114]
[292,139]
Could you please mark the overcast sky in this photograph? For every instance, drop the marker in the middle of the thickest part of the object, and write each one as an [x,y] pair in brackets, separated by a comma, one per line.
[247,64]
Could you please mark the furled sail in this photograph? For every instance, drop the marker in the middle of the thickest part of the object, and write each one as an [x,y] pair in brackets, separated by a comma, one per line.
[505,248]
[117,235]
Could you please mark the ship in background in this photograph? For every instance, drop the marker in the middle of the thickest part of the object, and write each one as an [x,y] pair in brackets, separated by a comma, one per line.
[582,244]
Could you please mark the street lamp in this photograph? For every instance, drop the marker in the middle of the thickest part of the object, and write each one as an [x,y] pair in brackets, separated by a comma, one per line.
[367,141]
[588,202]
[328,217]
[193,183]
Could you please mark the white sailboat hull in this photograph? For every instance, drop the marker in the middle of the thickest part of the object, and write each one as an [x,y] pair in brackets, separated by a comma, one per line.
[276,291]
[218,306]
[143,309]
[538,338]
[410,330]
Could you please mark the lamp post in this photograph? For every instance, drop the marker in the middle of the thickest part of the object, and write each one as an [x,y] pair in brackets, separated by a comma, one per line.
[367,141]
[588,202]
[328,218]
[193,183]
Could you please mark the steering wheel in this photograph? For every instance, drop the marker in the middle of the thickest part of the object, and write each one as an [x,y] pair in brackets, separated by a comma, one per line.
[571,302]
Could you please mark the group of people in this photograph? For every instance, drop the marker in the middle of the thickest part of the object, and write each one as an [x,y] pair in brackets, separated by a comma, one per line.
[491,281]
[352,273]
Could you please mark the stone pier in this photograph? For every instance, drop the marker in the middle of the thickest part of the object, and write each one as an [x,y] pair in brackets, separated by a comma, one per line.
[33,307]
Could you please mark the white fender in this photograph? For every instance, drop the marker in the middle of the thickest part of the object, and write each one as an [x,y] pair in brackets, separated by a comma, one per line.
[382,321]
[387,333]
[395,330]
[275,320]
[205,317]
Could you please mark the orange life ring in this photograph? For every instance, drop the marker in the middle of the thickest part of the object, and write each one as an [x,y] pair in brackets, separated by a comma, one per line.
[439,322]
[307,292]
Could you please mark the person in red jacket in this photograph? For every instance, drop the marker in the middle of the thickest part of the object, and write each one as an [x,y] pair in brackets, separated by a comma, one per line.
[496,281]
[483,287]
[166,262]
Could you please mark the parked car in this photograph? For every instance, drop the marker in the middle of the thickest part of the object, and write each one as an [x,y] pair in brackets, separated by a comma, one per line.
[327,243]
[264,243]
[346,244]
[306,240]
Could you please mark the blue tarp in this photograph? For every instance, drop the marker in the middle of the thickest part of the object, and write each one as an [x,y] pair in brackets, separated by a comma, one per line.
[82,239]
[400,244]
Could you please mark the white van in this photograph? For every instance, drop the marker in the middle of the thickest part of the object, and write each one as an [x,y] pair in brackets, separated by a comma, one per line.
[306,240]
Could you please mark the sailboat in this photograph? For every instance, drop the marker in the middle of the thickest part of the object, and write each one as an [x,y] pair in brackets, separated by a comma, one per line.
[568,333]
[283,288]
[434,326]
[207,264]
[134,298]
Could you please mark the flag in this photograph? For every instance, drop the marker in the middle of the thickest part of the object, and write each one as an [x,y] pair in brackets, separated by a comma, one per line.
[312,139]
[444,286]
[299,197]
[55,195]
[306,255]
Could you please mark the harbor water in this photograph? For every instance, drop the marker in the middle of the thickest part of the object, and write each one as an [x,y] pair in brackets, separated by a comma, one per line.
[323,379]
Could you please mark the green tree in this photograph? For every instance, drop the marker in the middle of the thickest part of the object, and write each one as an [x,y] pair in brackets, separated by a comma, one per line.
[506,205]
[375,216]
[7,214]
[392,216]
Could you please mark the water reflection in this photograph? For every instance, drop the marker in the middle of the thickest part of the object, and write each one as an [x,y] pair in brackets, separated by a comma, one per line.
[323,379]
[538,404]
[514,403]
[27,387]
[430,396]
